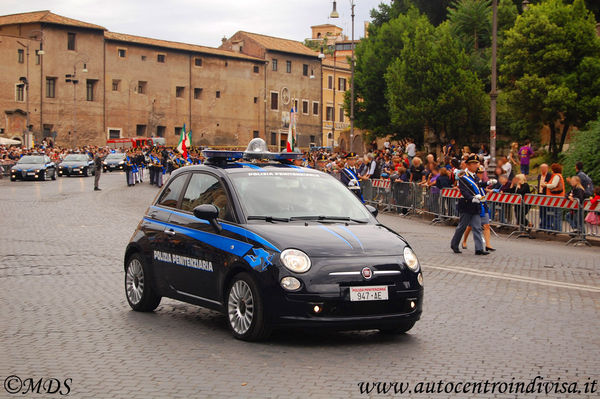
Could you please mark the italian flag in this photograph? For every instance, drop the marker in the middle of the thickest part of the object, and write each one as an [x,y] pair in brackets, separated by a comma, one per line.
[185,141]
[291,139]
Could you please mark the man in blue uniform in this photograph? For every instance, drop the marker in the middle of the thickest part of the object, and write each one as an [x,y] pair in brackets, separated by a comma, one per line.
[470,207]
[349,176]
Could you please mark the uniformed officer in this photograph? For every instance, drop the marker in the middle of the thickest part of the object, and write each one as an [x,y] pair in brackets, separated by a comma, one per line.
[129,169]
[349,175]
[470,207]
[322,163]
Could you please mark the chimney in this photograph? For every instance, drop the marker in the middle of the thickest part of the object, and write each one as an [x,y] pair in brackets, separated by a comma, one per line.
[224,40]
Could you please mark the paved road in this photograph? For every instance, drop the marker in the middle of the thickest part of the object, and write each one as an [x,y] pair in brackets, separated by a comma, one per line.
[530,309]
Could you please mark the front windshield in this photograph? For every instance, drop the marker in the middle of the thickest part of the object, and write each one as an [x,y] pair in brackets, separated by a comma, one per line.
[296,194]
[114,156]
[75,157]
[31,159]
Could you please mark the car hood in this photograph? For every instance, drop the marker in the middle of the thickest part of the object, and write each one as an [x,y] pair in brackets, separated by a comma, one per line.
[332,239]
[73,163]
[27,166]
[113,160]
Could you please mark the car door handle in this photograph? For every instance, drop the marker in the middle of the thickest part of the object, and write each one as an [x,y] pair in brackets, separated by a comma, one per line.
[170,232]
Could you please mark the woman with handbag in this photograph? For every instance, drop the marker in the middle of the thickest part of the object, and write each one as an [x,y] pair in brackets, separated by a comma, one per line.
[555,187]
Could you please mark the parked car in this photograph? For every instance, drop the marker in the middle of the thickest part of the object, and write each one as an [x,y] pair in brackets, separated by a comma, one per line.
[76,165]
[33,167]
[114,161]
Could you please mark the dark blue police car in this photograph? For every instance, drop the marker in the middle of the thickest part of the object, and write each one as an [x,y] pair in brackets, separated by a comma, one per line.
[271,245]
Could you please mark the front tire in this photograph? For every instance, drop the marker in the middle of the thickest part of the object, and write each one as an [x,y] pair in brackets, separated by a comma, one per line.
[138,285]
[245,308]
[398,329]
[42,176]
[54,175]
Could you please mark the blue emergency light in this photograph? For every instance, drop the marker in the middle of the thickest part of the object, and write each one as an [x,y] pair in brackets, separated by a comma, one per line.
[257,149]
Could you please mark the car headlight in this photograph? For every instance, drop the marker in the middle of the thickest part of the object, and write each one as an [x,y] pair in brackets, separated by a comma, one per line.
[121,163]
[295,260]
[411,259]
[37,170]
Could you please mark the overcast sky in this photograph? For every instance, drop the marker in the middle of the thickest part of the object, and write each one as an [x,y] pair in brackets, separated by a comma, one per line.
[203,22]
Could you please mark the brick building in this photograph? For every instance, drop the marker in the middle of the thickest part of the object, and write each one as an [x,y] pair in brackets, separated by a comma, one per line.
[293,76]
[136,86]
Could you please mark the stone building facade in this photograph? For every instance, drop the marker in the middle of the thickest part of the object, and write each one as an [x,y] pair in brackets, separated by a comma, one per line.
[292,76]
[131,86]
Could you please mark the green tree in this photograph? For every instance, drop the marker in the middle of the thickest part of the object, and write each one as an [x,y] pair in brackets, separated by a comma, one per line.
[373,56]
[471,22]
[430,85]
[550,68]
[585,148]
[386,12]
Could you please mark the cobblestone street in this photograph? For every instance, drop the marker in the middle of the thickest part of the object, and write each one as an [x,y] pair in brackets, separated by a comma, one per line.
[532,308]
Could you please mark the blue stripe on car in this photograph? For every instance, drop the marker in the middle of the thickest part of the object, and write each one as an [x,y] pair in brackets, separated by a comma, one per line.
[226,244]
[352,234]
[251,165]
[337,235]
[233,229]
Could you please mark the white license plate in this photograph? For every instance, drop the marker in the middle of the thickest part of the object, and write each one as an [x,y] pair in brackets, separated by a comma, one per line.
[370,293]
[30,173]
[75,170]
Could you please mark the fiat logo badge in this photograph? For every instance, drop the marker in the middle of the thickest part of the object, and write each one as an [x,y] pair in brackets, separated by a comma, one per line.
[366,273]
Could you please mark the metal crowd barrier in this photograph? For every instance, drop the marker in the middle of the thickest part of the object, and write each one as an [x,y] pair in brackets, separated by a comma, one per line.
[590,229]
[448,205]
[526,214]
[556,215]
[507,210]
[5,169]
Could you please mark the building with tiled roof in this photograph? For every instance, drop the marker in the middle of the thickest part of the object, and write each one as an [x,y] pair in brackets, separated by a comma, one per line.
[128,85]
[292,80]
[45,17]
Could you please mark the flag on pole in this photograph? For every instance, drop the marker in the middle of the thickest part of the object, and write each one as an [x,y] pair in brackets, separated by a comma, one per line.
[291,140]
[185,141]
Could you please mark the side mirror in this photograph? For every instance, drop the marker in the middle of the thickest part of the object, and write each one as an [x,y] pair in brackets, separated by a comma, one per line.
[208,212]
[373,210]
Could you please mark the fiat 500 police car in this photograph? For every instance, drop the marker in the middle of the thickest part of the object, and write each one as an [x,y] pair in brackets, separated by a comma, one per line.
[271,245]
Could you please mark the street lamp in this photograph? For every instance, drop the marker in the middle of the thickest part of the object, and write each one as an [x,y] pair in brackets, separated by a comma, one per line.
[494,91]
[72,78]
[335,14]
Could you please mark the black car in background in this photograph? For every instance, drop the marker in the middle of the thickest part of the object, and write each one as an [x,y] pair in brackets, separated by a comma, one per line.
[33,167]
[76,165]
[114,161]
[272,245]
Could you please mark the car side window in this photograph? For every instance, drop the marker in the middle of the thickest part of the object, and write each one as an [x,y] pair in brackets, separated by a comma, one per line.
[206,189]
[170,195]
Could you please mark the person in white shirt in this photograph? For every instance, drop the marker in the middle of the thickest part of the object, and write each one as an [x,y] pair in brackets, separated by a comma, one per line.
[411,150]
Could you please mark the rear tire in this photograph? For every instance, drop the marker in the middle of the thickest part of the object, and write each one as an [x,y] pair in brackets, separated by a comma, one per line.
[245,309]
[138,285]
[398,329]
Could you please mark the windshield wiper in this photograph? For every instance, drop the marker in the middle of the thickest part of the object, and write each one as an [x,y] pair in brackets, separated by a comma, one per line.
[335,218]
[269,219]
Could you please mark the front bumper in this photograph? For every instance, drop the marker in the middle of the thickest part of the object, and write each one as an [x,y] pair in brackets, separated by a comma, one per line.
[26,175]
[338,312]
